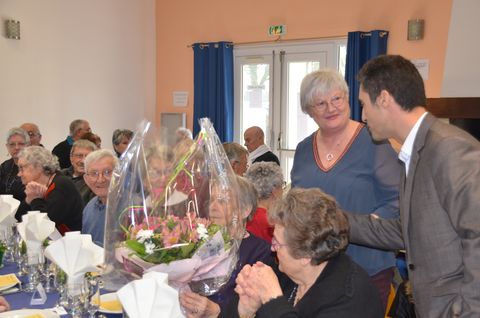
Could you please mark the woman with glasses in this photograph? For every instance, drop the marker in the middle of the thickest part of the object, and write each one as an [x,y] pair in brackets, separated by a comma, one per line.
[251,250]
[10,183]
[316,278]
[342,159]
[48,191]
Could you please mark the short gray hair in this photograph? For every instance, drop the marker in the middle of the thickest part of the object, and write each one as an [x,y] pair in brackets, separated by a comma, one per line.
[75,125]
[320,83]
[99,154]
[265,177]
[83,143]
[234,151]
[185,133]
[20,132]
[119,134]
[40,157]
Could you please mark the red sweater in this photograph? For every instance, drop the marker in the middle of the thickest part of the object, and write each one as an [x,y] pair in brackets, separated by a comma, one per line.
[259,225]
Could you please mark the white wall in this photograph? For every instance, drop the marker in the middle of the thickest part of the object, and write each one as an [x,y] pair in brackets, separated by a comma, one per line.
[85,59]
[462,69]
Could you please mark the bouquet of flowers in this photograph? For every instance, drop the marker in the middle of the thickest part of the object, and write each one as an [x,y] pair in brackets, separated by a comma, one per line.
[173,209]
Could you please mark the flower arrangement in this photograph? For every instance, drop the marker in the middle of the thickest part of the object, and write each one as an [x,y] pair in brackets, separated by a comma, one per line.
[163,240]
[160,215]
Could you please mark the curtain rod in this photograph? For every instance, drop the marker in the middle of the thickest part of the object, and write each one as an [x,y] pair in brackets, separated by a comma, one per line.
[381,33]
[280,40]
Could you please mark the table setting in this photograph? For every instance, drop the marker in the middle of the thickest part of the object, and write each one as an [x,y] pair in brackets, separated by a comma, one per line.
[154,247]
[40,277]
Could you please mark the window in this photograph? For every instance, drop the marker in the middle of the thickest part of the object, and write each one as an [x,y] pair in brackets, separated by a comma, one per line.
[267,90]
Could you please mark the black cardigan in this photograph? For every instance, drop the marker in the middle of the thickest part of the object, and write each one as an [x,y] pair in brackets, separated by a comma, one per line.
[343,289]
[63,205]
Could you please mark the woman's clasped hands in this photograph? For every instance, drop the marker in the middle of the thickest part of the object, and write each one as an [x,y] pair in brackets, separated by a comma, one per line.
[256,285]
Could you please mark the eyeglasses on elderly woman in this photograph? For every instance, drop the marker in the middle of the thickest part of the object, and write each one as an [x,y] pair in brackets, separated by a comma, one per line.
[336,101]
[276,245]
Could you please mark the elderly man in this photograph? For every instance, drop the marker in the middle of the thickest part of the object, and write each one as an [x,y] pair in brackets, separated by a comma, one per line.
[255,143]
[99,166]
[62,150]
[238,157]
[80,149]
[33,132]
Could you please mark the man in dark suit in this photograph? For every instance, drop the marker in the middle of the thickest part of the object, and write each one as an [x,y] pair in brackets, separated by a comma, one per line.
[255,143]
[439,225]
[62,150]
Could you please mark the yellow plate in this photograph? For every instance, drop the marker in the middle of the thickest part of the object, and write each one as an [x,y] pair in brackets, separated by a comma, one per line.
[8,281]
[110,304]
[29,313]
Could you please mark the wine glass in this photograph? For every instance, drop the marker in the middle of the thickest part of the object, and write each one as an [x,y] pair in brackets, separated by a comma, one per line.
[92,295]
[75,299]
[59,282]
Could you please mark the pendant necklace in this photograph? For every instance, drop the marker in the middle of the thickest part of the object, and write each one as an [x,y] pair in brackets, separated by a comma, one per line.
[330,155]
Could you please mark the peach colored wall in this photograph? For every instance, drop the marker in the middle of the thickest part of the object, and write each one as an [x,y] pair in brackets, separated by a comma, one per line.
[180,23]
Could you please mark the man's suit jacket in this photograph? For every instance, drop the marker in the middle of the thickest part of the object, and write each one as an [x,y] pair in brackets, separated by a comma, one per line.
[439,223]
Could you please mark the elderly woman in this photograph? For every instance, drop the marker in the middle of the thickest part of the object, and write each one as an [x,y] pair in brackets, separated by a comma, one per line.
[10,183]
[252,249]
[310,236]
[48,191]
[267,178]
[342,159]
[120,140]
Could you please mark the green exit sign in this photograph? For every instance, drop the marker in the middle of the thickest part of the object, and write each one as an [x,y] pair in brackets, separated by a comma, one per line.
[277,30]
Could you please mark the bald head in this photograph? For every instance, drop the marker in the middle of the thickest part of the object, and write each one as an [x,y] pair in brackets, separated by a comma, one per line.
[254,138]
[34,133]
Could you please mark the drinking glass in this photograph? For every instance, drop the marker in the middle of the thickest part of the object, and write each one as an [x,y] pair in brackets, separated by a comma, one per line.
[92,295]
[75,299]
[49,272]
[33,271]
[60,280]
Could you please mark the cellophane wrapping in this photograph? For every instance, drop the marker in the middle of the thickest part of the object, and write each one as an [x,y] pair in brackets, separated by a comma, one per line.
[173,209]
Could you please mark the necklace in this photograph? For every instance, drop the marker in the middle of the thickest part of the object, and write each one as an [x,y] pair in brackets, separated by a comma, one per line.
[331,154]
[293,295]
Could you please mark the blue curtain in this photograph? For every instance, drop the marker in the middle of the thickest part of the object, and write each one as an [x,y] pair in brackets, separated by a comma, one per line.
[361,47]
[213,87]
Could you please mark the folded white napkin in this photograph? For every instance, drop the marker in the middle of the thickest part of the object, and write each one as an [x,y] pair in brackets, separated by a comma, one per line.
[34,229]
[150,297]
[75,254]
[8,207]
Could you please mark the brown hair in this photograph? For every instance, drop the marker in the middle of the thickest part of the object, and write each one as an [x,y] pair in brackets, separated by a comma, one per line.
[314,226]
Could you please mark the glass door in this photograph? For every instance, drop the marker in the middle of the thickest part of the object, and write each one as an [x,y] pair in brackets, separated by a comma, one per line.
[267,91]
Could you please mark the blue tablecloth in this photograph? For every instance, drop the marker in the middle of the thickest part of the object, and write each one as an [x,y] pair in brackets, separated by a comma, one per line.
[21,300]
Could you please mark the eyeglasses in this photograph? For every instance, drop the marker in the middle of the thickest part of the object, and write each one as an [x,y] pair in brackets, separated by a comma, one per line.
[16,144]
[276,245]
[335,101]
[107,174]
